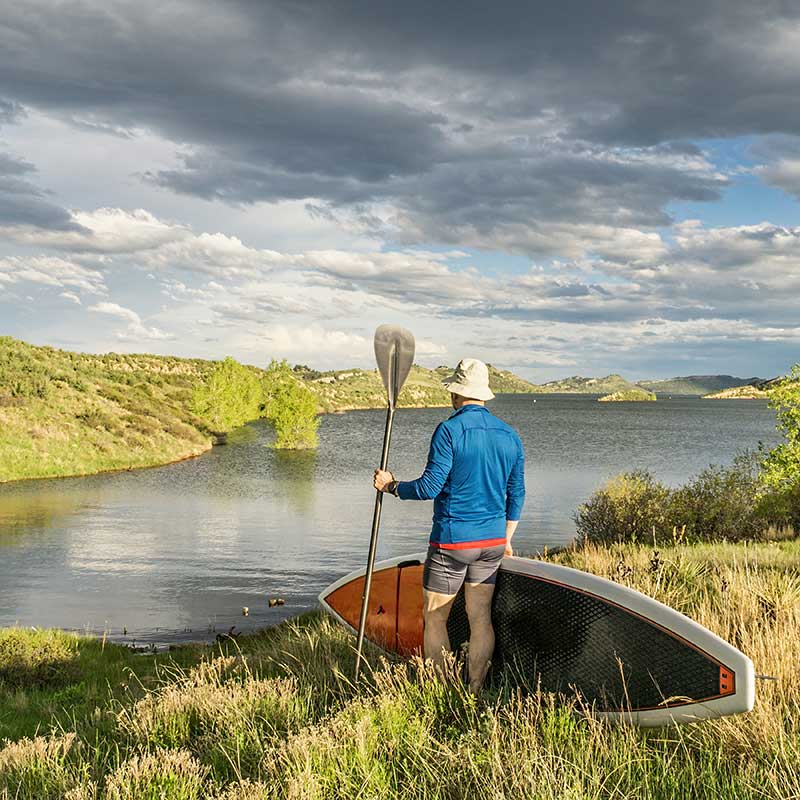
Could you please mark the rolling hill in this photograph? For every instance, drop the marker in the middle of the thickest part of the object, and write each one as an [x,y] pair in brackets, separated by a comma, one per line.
[696,384]
[580,385]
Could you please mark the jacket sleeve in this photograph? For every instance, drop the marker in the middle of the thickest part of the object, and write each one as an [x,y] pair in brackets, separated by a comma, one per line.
[515,489]
[437,470]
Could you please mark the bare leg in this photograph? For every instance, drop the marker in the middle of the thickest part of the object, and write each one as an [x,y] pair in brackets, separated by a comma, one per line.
[478,598]
[435,613]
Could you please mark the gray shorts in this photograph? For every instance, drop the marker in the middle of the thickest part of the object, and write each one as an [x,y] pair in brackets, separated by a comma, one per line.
[445,570]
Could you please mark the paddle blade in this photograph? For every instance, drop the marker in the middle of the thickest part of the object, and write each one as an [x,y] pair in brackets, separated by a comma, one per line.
[394,352]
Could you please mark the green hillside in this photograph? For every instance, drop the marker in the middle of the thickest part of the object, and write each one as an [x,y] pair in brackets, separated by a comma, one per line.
[66,413]
[579,385]
[696,384]
[738,393]
[343,390]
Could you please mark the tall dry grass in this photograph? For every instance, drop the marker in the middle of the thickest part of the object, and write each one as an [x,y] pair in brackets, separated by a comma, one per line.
[281,718]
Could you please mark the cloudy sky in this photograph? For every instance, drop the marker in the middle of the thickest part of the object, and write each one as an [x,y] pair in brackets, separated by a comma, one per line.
[558,188]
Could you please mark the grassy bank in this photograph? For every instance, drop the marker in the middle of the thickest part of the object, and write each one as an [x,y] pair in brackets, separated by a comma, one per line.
[70,414]
[275,714]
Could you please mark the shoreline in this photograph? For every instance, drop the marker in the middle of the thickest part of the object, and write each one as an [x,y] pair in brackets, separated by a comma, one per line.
[220,439]
[112,470]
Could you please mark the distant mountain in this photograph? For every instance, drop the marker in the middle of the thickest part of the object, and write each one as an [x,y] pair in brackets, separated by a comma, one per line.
[579,385]
[697,384]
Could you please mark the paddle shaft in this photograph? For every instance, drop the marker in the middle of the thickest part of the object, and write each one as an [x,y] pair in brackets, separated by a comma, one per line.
[373,542]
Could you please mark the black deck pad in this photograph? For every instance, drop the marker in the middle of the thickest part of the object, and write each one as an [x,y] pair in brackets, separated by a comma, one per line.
[563,640]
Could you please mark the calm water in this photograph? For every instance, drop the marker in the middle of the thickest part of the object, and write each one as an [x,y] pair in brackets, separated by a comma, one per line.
[176,552]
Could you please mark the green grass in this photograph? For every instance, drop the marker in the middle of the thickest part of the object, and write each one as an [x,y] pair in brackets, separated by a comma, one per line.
[277,715]
[69,414]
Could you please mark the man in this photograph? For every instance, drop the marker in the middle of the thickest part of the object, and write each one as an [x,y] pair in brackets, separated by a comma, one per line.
[475,476]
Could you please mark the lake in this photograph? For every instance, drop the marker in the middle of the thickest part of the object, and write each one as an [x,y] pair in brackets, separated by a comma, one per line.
[175,553]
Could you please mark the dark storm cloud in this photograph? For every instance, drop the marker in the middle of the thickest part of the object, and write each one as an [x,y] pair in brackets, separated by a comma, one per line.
[23,203]
[637,71]
[457,117]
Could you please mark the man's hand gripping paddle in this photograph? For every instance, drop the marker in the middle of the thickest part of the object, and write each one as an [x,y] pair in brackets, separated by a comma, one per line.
[394,352]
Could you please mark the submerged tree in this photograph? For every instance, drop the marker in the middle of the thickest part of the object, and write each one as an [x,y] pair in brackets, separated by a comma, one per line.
[290,406]
[229,397]
[234,394]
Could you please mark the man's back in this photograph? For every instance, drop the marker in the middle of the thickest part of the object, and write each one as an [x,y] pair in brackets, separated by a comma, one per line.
[475,477]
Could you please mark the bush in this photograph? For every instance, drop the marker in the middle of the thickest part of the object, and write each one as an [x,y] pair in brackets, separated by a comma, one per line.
[291,407]
[720,503]
[45,660]
[229,397]
[98,419]
[624,510]
[780,508]
[22,375]
[780,478]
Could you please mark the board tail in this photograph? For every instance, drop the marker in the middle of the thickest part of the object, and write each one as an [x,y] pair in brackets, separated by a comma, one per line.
[395,585]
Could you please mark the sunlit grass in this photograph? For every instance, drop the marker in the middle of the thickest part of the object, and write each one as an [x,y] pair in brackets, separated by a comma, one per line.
[66,413]
[277,715]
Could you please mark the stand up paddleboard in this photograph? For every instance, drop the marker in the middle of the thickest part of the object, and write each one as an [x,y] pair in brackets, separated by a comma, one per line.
[628,657]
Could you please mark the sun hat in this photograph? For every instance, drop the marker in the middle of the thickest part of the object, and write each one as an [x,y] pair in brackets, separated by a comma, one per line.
[470,379]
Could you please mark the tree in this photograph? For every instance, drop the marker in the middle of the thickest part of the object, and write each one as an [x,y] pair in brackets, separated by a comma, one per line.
[230,396]
[780,475]
[290,406]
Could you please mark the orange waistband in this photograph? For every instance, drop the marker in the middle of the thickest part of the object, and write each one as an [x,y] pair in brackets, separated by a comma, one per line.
[468,545]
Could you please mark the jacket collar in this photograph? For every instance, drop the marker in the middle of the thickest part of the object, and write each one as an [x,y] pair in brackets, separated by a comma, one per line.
[467,408]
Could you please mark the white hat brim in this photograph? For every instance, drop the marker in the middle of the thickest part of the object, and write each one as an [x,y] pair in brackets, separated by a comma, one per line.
[465,390]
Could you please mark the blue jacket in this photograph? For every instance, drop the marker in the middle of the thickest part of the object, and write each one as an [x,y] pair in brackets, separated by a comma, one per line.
[475,477]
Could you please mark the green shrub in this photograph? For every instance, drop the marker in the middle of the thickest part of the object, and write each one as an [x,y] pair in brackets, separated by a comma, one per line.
[21,374]
[231,396]
[98,419]
[46,659]
[720,503]
[624,510]
[780,508]
[290,406]
[780,477]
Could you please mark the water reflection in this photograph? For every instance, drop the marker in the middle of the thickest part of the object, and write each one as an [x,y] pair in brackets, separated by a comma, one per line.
[31,508]
[176,552]
[295,475]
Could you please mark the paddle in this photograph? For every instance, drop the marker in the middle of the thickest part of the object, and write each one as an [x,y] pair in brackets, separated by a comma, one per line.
[394,352]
